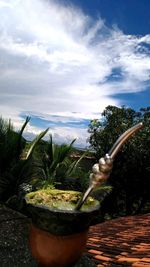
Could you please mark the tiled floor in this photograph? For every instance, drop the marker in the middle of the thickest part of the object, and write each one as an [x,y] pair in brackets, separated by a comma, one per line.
[121,242]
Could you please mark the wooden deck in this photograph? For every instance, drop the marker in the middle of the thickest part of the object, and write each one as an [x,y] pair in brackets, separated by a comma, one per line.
[121,242]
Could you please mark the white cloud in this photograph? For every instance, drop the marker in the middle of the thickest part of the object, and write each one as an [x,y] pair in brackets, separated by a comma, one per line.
[67,134]
[60,134]
[55,60]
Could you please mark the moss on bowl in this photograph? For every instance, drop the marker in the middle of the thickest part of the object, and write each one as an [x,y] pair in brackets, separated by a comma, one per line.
[59,199]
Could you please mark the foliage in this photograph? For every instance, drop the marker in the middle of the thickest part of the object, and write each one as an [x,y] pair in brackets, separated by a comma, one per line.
[102,192]
[15,161]
[131,172]
[55,163]
[78,181]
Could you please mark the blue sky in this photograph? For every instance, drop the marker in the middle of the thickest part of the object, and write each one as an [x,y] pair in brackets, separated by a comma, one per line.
[131,16]
[63,61]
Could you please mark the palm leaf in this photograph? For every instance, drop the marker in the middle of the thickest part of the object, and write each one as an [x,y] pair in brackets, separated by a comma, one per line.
[35,142]
[14,170]
[19,137]
[74,165]
[55,157]
[24,125]
[60,154]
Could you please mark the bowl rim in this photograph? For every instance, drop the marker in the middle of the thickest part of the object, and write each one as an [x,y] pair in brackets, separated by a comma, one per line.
[62,211]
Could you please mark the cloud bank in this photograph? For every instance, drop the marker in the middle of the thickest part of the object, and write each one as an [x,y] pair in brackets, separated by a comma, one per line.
[60,65]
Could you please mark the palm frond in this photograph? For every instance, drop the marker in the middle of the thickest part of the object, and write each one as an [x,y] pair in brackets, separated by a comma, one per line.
[24,125]
[14,169]
[35,142]
[72,168]
[50,150]
[19,142]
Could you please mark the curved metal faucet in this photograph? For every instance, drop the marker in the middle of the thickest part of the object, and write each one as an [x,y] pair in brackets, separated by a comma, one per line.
[101,171]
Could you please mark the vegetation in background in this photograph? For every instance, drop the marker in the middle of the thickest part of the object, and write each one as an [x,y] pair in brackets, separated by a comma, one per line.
[48,165]
[15,161]
[55,164]
[130,177]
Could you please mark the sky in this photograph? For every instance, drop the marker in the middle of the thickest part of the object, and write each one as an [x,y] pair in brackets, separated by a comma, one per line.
[63,61]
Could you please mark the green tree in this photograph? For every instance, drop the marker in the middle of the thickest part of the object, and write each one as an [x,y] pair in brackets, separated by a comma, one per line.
[131,171]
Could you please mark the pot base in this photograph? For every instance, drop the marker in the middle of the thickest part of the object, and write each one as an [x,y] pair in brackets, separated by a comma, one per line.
[56,251]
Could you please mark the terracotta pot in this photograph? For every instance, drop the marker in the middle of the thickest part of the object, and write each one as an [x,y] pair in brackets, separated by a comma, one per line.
[58,237]
[56,251]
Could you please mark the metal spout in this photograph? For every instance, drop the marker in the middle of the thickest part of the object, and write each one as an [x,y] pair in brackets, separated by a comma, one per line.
[101,171]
